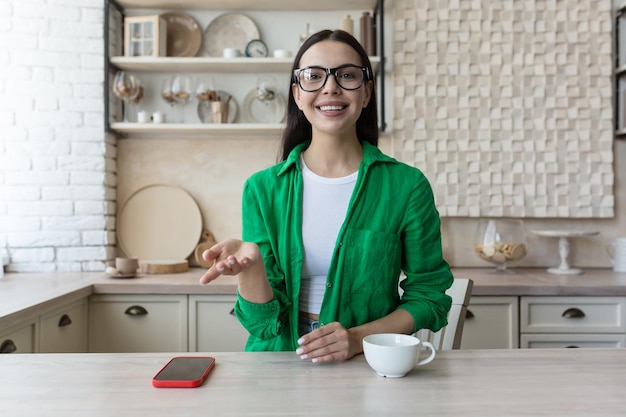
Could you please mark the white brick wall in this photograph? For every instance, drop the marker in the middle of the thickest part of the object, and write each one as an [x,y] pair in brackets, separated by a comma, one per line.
[57,167]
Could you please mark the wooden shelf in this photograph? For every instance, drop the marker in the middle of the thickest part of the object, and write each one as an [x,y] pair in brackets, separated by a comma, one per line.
[198,129]
[295,5]
[200,64]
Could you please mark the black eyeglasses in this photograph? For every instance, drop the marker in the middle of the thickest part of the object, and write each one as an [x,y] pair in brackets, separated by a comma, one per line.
[348,77]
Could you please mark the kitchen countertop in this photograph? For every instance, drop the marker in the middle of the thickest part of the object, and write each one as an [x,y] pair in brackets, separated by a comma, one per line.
[512,382]
[24,294]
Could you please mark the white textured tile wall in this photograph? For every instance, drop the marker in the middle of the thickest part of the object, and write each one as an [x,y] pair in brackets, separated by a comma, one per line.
[57,177]
[507,105]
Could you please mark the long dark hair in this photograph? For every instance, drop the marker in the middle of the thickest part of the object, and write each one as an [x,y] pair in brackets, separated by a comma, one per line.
[298,129]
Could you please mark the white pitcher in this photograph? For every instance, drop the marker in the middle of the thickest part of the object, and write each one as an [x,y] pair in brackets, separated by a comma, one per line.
[617,253]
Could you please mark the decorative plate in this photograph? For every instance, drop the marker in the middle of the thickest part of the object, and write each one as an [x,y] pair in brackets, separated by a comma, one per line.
[184,35]
[229,30]
[159,222]
[268,110]
[204,108]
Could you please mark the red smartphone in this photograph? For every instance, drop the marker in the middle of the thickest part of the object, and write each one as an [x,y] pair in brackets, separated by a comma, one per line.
[184,372]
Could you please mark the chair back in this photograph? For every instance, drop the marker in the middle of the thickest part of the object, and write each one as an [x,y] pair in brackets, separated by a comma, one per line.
[449,337]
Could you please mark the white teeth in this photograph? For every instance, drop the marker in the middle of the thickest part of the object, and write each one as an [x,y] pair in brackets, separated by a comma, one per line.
[331,108]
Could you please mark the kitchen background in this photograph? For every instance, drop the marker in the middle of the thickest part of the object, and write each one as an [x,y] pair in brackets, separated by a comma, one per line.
[61,176]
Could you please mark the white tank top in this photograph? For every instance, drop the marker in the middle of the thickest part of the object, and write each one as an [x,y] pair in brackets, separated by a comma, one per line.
[324,206]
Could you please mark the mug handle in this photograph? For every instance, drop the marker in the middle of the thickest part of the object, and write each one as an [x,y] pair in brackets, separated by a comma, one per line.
[430,358]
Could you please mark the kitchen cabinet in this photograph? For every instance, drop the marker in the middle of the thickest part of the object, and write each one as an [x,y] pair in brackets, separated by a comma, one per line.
[212,325]
[239,72]
[491,322]
[137,323]
[620,72]
[548,322]
[21,338]
[64,330]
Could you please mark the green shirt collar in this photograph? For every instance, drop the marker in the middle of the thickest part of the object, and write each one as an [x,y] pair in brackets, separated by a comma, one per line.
[371,154]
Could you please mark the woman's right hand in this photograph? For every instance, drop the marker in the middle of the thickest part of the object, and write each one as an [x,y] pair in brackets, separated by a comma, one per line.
[229,257]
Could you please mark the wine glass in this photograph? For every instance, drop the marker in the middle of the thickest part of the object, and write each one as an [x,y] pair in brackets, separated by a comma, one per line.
[181,89]
[126,87]
[166,92]
[138,97]
[500,241]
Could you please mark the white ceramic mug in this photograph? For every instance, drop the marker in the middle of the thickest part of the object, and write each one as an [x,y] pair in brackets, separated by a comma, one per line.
[126,266]
[393,355]
[158,117]
[282,53]
[617,253]
[142,117]
[231,53]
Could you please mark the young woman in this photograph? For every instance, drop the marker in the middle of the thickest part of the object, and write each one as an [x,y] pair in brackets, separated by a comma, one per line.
[328,231]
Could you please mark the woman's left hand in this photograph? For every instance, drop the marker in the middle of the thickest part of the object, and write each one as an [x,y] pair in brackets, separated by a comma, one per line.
[331,342]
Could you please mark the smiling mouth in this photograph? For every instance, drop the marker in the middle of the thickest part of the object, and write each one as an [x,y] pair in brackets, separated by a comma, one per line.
[331,108]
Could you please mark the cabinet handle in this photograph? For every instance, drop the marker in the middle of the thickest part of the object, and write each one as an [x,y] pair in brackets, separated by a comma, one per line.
[8,346]
[65,320]
[469,314]
[571,347]
[136,311]
[573,313]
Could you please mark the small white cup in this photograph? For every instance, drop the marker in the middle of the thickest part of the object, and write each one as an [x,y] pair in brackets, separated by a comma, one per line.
[142,117]
[158,117]
[617,254]
[282,53]
[231,53]
[393,355]
[126,266]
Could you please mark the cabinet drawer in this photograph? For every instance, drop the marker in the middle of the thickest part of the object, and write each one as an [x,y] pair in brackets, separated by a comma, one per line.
[212,327]
[550,341]
[138,323]
[491,323]
[64,330]
[20,339]
[573,315]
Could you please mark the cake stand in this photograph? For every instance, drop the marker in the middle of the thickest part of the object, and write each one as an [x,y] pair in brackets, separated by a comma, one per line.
[564,235]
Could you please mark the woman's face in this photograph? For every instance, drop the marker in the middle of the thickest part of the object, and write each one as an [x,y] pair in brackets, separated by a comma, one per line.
[332,109]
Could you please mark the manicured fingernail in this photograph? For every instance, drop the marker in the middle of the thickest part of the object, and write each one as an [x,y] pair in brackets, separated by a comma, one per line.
[314,360]
[219,267]
[299,351]
[304,356]
[231,261]
[300,341]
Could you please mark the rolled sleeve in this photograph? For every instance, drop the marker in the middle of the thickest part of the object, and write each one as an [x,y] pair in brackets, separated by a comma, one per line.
[261,320]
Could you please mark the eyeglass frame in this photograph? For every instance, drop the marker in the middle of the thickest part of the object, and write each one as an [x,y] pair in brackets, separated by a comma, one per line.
[366,76]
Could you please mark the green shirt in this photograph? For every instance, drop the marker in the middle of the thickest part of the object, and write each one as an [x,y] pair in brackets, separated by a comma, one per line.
[391,226]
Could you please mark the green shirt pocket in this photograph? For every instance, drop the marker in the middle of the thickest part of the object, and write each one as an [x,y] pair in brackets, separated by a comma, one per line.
[372,261]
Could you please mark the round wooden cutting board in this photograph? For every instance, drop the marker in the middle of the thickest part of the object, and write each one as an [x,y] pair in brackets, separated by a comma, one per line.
[159,222]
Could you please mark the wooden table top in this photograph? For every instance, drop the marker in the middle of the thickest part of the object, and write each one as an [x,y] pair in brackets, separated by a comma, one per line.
[516,382]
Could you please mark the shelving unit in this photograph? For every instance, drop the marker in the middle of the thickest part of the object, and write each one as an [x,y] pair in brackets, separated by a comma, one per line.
[191,129]
[620,72]
[197,64]
[215,65]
